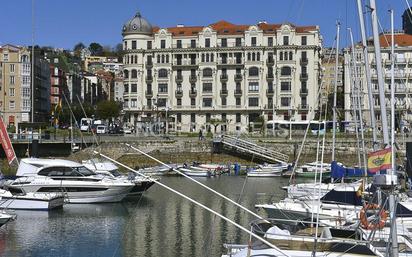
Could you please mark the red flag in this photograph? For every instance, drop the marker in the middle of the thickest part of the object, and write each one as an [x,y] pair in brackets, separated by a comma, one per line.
[6,143]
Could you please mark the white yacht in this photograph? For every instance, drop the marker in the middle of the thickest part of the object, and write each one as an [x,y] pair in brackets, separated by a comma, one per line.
[5,217]
[19,200]
[74,180]
[109,169]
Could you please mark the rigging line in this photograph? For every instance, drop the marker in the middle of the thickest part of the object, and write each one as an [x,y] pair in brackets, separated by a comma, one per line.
[279,251]
[308,126]
[195,181]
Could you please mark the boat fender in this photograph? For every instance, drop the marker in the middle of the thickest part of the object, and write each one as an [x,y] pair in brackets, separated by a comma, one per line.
[383,215]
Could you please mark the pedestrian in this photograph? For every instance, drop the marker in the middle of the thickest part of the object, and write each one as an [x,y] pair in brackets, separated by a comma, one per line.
[200,135]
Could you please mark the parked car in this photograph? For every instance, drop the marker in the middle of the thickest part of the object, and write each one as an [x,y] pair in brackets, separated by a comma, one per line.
[101,129]
[116,130]
[128,130]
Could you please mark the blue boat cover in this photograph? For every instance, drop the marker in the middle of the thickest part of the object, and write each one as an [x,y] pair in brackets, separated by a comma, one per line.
[340,171]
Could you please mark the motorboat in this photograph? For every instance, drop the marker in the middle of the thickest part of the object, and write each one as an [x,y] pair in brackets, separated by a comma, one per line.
[110,170]
[310,170]
[268,170]
[74,180]
[19,200]
[196,172]
[6,217]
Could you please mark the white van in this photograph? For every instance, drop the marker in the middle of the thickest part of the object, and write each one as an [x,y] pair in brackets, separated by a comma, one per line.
[101,129]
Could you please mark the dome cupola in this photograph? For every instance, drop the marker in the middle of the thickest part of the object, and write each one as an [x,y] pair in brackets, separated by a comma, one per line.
[137,25]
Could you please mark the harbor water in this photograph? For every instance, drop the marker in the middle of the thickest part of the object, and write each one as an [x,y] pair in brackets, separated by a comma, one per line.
[159,223]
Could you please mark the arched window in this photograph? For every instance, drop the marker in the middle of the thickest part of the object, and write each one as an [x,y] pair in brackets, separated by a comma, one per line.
[253,71]
[286,71]
[281,56]
[134,74]
[126,74]
[212,57]
[167,58]
[24,58]
[258,57]
[248,56]
[207,72]
[162,73]
[253,57]
[158,58]
[290,56]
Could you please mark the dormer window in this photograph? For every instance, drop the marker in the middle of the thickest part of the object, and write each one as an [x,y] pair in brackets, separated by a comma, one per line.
[285,40]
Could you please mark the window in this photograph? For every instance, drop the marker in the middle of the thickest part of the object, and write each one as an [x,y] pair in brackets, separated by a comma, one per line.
[207,72]
[207,87]
[179,43]
[26,80]
[12,68]
[179,102]
[162,43]
[134,74]
[207,42]
[11,92]
[285,86]
[125,45]
[162,88]
[207,102]
[238,101]
[12,80]
[253,86]
[192,101]
[224,42]
[253,72]
[126,74]
[6,57]
[193,43]
[179,117]
[134,45]
[162,73]
[285,101]
[285,40]
[12,105]
[133,103]
[126,88]
[290,56]
[238,117]
[149,44]
[26,92]
[253,101]
[238,41]
[223,116]
[304,55]
[285,71]
[270,41]
[304,40]
[281,56]
[134,88]
[208,117]
[253,41]
[224,101]
[193,117]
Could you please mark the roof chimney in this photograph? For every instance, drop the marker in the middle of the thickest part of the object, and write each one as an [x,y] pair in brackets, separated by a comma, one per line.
[180,25]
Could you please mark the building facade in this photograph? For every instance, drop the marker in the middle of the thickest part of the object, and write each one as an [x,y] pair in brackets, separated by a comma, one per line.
[403,81]
[234,74]
[328,72]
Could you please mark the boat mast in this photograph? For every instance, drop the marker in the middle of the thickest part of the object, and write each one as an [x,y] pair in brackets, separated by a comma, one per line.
[32,61]
[392,201]
[368,74]
[358,105]
[335,89]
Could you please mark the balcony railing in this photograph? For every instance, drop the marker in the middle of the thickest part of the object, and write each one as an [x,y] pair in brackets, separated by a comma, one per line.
[149,78]
[270,91]
[149,92]
[179,78]
[304,61]
[224,92]
[223,77]
[149,64]
[303,76]
[303,106]
[270,62]
[193,92]
[269,76]
[238,77]
[193,78]
[303,91]
[179,92]
[238,92]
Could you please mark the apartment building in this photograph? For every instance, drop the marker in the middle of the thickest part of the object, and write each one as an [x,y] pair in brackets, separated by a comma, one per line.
[234,74]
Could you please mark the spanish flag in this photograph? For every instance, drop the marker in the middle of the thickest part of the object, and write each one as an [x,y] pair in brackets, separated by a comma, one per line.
[380,160]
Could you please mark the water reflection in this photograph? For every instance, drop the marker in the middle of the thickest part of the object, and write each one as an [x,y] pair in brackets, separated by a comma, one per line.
[157,224]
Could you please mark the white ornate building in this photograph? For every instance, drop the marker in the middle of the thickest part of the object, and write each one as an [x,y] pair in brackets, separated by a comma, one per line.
[226,73]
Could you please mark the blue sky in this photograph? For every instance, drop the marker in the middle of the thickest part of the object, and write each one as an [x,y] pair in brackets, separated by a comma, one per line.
[63,23]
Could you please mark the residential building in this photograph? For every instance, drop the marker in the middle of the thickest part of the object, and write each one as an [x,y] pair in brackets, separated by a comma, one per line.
[118,87]
[328,71]
[236,74]
[403,75]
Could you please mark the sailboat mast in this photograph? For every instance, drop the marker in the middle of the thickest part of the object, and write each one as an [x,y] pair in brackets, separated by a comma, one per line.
[381,84]
[392,201]
[368,74]
[335,88]
[32,61]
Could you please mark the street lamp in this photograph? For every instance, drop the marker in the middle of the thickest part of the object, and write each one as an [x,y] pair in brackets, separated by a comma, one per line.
[290,122]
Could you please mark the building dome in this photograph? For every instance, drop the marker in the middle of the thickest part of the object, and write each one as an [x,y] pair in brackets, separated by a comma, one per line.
[137,25]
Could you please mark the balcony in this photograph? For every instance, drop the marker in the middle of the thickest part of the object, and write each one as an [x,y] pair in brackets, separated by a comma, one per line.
[149,64]
[192,78]
[192,92]
[304,61]
[149,93]
[179,78]
[303,91]
[303,76]
[223,78]
[303,107]
[270,62]
[269,77]
[238,77]
[238,92]
[179,92]
[223,92]
[149,79]
[270,92]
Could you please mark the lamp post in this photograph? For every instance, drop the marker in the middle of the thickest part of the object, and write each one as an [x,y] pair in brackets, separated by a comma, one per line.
[290,122]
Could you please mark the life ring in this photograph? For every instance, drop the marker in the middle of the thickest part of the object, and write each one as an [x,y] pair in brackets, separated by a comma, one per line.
[383,215]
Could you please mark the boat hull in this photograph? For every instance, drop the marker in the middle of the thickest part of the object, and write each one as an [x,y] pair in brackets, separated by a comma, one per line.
[31,203]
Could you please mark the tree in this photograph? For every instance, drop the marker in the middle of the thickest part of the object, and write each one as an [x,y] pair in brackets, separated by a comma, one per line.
[107,109]
[96,48]
[77,49]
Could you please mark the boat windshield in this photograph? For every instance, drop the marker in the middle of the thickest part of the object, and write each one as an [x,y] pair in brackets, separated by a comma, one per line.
[83,171]
[115,173]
